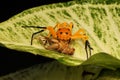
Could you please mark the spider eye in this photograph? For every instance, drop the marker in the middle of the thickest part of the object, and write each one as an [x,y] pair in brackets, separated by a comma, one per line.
[59,29]
[66,32]
[60,32]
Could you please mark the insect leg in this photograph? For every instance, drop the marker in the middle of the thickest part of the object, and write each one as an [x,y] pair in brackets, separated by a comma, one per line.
[35,34]
[34,27]
[86,49]
[87,45]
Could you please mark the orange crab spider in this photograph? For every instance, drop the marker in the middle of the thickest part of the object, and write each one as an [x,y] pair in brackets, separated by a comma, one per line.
[60,36]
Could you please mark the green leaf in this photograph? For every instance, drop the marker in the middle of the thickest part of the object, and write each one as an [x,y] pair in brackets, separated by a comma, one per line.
[109,75]
[48,71]
[52,70]
[103,60]
[100,21]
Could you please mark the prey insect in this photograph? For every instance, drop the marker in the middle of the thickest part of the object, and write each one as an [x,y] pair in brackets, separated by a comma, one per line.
[60,36]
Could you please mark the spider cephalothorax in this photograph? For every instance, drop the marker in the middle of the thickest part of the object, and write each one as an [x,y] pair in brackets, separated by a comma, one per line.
[63,34]
[60,36]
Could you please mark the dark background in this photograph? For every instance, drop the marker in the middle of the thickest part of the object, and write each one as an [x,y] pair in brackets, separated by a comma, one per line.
[9,8]
[11,60]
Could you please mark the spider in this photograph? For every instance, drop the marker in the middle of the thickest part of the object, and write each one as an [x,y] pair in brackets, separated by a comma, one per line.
[60,36]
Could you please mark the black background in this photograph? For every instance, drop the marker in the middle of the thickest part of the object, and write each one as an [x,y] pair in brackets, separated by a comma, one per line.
[11,60]
[9,8]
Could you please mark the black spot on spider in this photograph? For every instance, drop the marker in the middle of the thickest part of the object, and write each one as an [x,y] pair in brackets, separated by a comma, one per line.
[68,29]
[61,32]
[59,29]
[66,32]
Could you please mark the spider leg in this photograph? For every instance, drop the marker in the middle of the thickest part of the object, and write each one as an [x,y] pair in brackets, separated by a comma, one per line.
[80,34]
[35,34]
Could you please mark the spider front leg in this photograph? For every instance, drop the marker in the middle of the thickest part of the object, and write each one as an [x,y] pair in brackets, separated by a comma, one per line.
[80,34]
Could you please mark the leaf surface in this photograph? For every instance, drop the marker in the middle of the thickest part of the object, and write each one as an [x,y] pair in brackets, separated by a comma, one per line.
[100,21]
